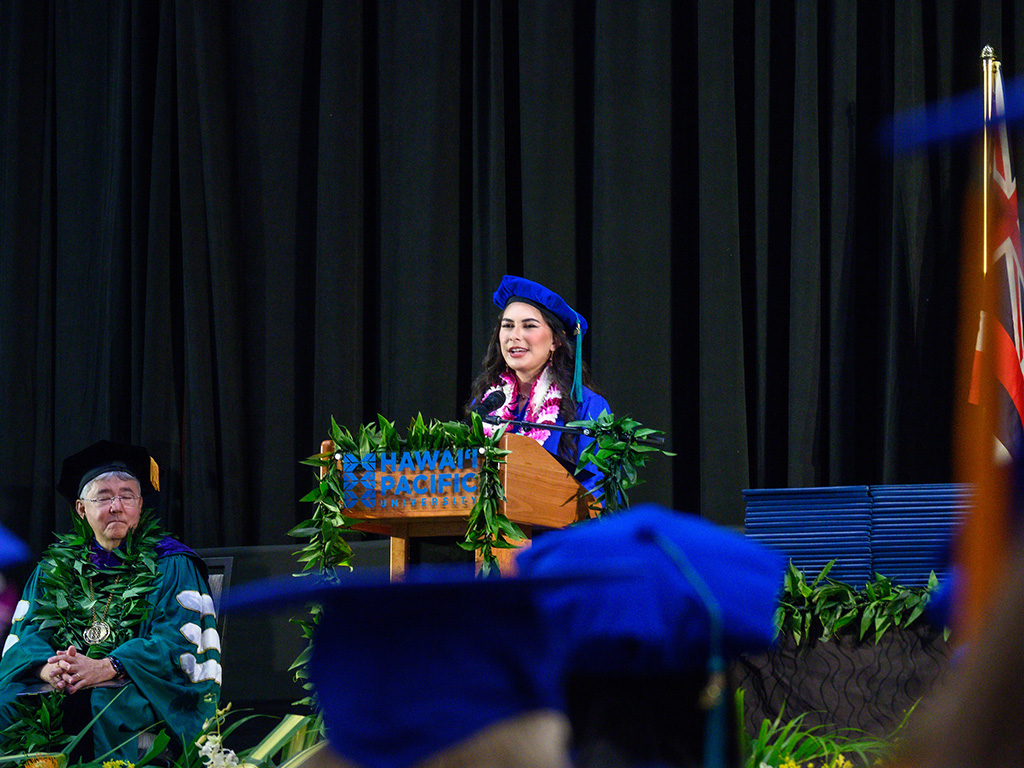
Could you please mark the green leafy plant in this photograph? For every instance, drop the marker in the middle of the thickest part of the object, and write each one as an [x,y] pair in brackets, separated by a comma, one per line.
[789,743]
[39,726]
[618,451]
[39,734]
[290,737]
[825,608]
[208,749]
[888,605]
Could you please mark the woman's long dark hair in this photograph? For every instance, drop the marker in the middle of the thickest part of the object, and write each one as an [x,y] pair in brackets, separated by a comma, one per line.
[562,365]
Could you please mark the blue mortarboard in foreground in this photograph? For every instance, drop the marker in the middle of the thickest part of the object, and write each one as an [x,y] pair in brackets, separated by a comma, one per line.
[678,564]
[403,670]
[12,549]
[519,288]
[696,595]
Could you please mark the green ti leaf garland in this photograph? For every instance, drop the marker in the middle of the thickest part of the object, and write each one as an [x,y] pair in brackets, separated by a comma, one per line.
[618,453]
[68,575]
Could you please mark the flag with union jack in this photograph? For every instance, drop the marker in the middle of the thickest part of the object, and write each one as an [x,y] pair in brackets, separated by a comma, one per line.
[997,384]
[1004,286]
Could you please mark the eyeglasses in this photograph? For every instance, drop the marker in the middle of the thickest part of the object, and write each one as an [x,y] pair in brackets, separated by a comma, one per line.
[127,500]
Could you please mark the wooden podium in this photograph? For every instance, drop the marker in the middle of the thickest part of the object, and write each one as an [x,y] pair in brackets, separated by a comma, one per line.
[539,493]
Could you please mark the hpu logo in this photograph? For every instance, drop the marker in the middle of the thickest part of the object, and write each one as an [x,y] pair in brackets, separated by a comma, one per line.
[359,488]
[397,486]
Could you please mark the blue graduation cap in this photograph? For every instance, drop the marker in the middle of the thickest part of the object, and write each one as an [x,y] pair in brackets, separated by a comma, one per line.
[939,610]
[520,289]
[12,549]
[686,576]
[696,595]
[950,119]
[406,669]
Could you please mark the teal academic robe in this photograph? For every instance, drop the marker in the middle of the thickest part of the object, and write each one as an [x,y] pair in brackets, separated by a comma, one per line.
[173,663]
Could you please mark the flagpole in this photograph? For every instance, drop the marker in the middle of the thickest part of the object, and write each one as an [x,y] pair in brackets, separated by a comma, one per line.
[989,65]
[982,545]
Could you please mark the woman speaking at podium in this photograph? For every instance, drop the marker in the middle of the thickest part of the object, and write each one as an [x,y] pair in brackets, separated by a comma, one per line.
[533,371]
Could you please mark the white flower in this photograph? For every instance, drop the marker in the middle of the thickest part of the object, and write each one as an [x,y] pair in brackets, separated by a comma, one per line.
[215,756]
[210,745]
[223,759]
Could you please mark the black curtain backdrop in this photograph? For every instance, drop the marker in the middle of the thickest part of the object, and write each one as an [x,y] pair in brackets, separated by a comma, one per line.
[225,222]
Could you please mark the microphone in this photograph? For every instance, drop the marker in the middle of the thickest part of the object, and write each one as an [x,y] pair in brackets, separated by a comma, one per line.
[492,402]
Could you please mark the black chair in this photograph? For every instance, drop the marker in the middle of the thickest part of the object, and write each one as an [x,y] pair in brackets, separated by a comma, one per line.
[219,570]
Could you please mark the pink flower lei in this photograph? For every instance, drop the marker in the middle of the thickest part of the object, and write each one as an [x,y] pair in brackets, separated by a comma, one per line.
[543,407]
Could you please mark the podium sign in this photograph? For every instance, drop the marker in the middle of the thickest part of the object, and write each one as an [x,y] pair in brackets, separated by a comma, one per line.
[431,493]
[415,484]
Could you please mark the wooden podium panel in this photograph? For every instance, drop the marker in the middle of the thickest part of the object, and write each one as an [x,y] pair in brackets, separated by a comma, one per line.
[539,491]
[404,498]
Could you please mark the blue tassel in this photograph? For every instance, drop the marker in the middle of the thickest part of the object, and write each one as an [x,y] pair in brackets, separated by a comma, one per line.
[715,724]
[715,693]
[577,380]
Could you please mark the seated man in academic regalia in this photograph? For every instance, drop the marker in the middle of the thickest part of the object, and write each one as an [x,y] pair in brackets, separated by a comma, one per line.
[117,616]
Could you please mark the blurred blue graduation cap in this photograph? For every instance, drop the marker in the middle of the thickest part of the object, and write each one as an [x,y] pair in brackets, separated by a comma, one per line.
[939,609]
[520,289]
[406,669]
[948,119]
[685,576]
[12,549]
[696,595]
